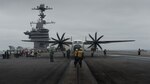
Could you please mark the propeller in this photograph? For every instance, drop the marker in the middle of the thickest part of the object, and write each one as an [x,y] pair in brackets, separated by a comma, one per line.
[61,41]
[95,41]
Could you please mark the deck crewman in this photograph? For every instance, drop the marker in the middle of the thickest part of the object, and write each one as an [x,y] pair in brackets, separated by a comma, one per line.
[68,53]
[105,52]
[78,57]
[51,55]
[139,51]
[75,57]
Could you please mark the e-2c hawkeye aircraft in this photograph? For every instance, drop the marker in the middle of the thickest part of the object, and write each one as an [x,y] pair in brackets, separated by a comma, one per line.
[77,44]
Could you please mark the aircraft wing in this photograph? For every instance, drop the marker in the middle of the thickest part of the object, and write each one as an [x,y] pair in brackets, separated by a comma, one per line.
[88,42]
[27,40]
[115,41]
[104,42]
[67,42]
[35,41]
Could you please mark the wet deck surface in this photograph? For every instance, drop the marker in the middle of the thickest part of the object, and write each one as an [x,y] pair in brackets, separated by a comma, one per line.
[120,69]
[114,69]
[32,70]
[78,75]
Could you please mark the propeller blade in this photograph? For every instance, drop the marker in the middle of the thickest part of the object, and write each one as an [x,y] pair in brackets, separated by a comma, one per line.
[95,35]
[91,37]
[58,47]
[66,39]
[58,36]
[66,44]
[100,37]
[62,36]
[61,47]
[53,44]
[90,45]
[54,39]
[99,46]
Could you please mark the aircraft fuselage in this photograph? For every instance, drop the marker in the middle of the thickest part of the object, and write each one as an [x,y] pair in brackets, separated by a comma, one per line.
[77,45]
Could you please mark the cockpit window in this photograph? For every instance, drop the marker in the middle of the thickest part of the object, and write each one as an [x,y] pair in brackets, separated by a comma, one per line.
[77,42]
[80,42]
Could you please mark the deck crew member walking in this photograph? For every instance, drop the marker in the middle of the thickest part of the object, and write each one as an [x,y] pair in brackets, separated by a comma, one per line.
[78,57]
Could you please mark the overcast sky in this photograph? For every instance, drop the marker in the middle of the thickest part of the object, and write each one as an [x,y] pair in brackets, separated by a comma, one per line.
[115,19]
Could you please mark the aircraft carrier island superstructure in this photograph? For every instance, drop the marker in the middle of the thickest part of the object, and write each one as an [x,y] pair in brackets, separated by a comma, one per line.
[39,35]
